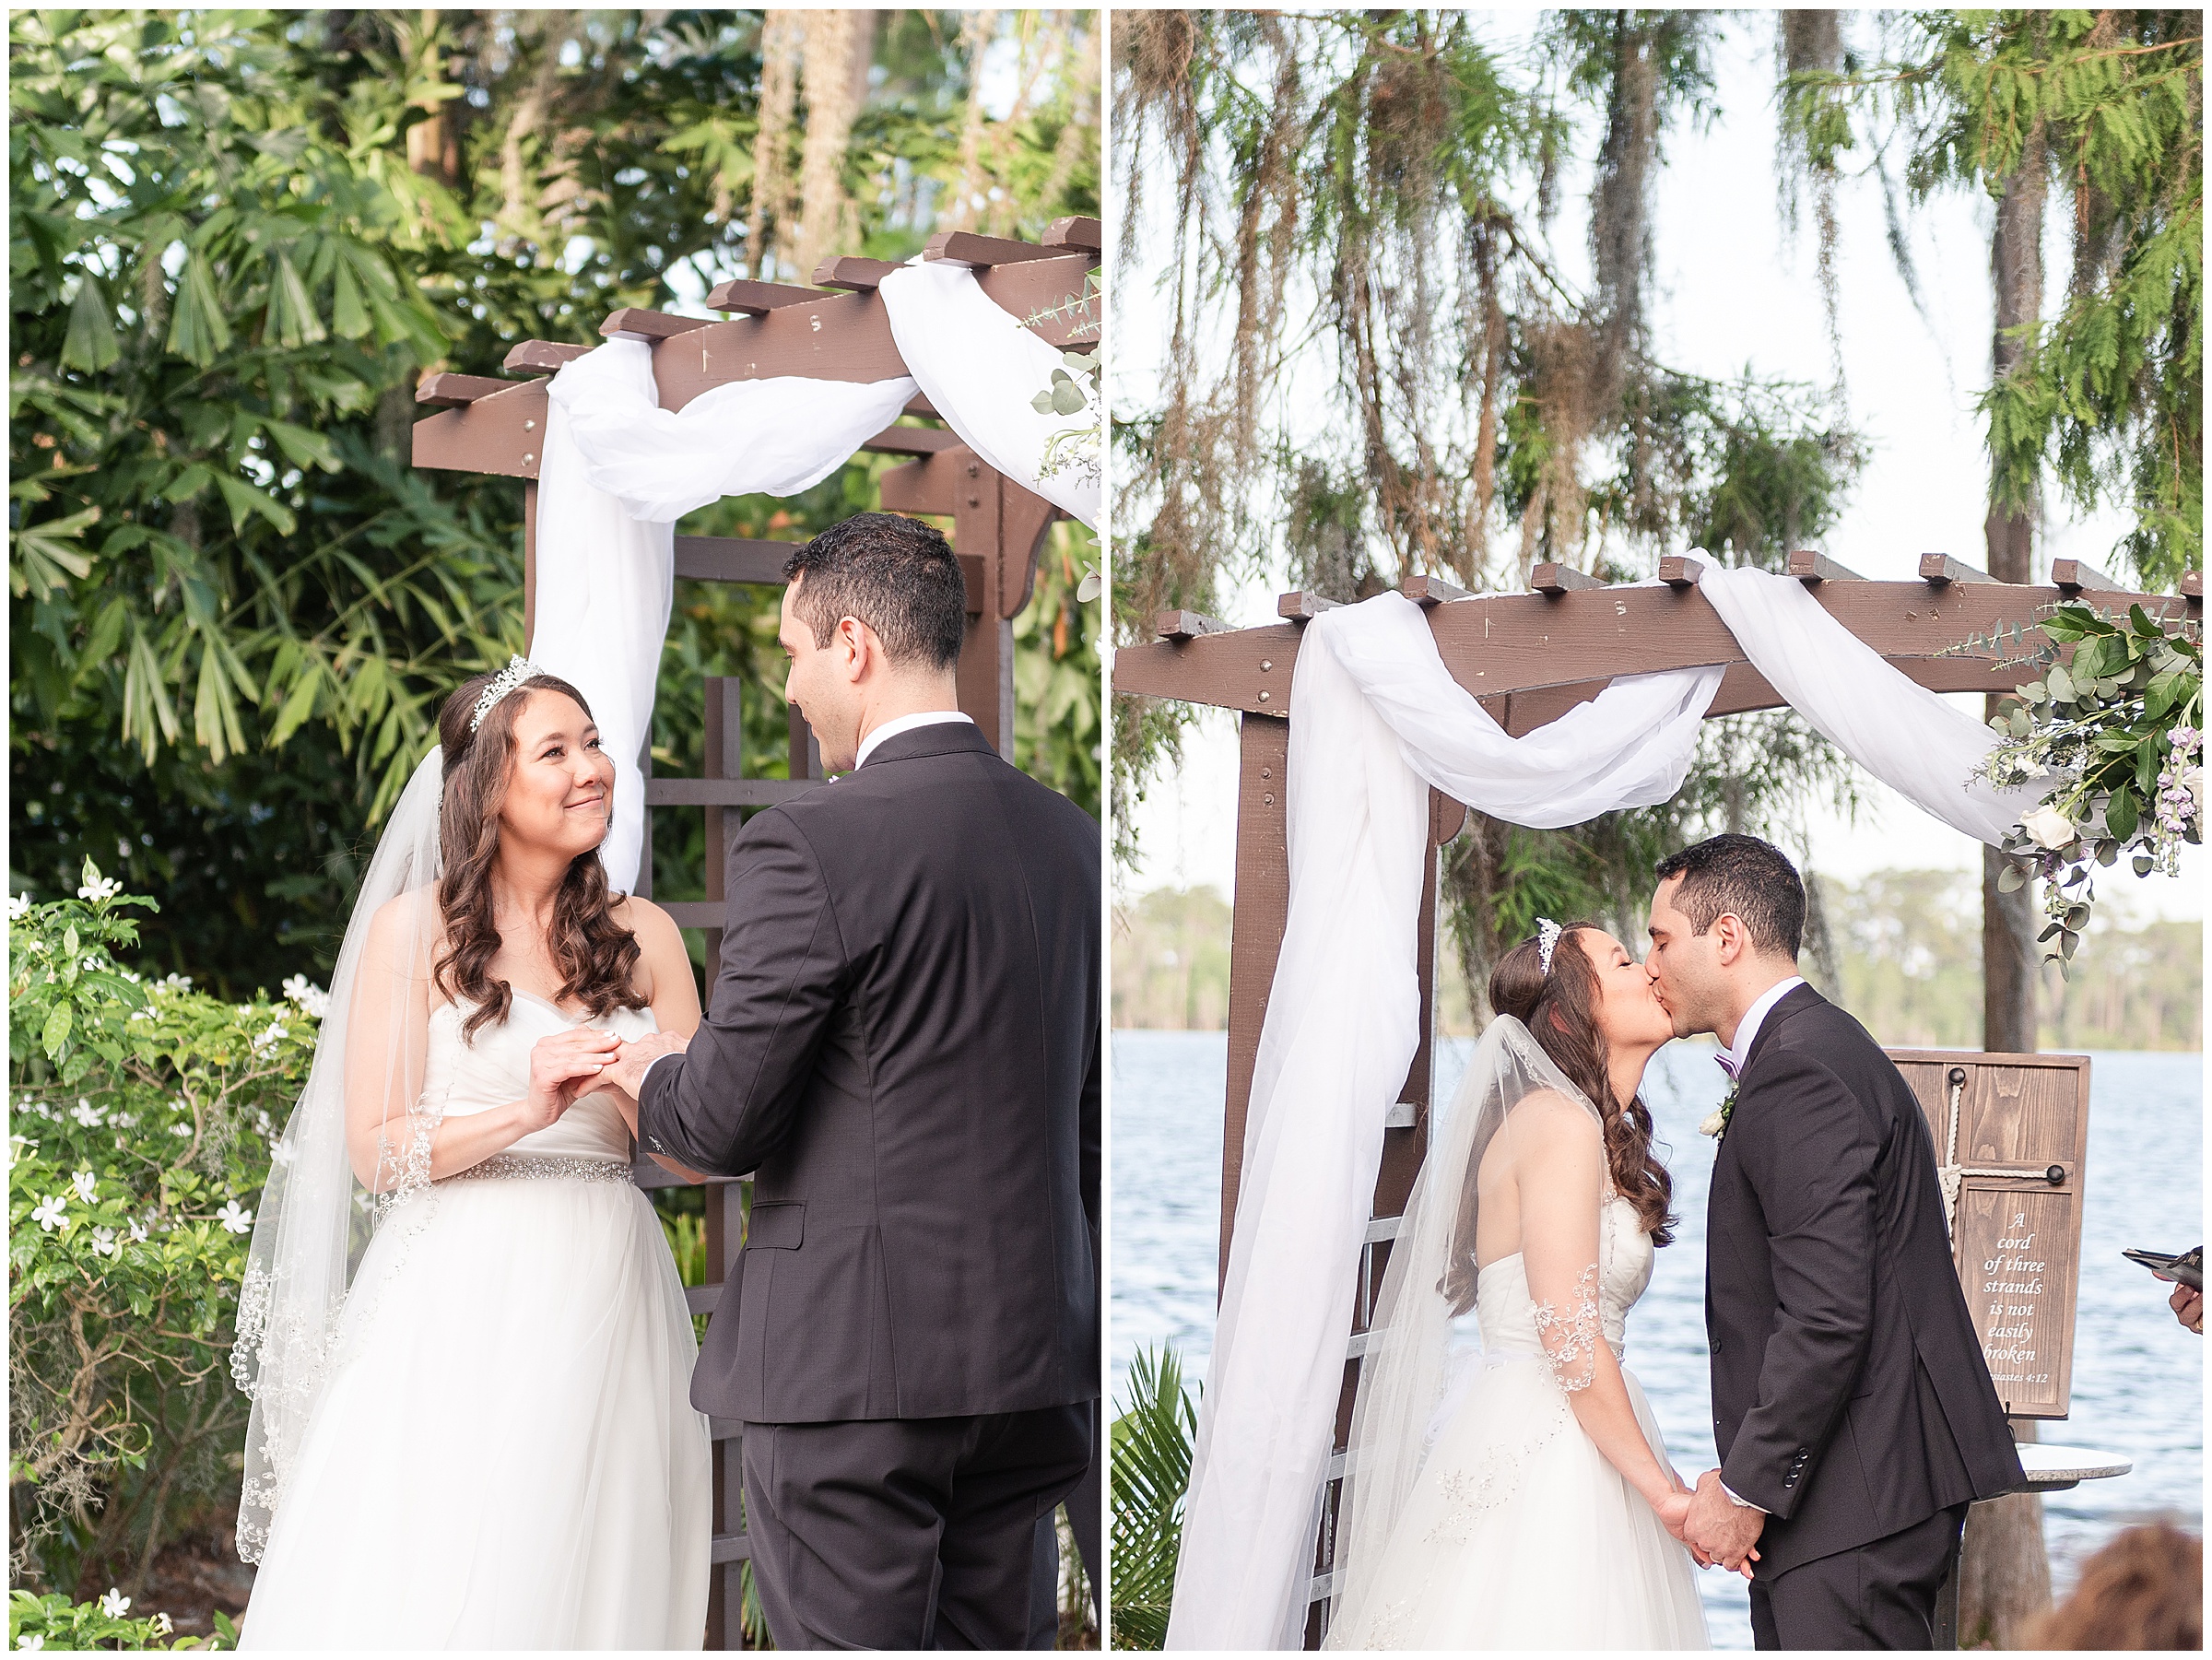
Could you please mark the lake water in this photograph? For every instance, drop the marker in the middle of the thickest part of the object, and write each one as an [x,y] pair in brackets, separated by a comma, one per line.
[2138,1377]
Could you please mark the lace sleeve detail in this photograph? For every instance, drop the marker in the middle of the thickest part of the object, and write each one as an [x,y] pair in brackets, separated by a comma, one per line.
[1571,1339]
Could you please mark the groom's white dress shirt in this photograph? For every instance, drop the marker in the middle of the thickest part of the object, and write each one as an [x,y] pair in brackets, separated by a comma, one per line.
[1732,1061]
[905,723]
[1731,1058]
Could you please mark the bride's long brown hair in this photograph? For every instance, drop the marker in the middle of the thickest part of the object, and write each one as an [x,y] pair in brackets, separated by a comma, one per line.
[595,954]
[1560,1012]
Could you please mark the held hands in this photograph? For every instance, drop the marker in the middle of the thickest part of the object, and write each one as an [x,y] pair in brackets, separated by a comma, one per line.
[628,1071]
[562,1067]
[1717,1529]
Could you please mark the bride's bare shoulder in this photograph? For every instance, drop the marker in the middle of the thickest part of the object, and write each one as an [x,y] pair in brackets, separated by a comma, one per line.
[1554,1116]
[407,926]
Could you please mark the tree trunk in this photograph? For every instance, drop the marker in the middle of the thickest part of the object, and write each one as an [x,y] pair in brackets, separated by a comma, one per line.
[2005,1568]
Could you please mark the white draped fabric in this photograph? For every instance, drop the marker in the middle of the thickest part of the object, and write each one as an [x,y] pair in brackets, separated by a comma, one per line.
[979,368]
[1377,719]
[617,471]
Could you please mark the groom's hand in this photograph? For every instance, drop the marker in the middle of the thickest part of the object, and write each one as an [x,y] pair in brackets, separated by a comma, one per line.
[1722,1530]
[628,1071]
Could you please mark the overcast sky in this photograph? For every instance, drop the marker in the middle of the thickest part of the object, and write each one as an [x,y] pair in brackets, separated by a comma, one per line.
[1731,293]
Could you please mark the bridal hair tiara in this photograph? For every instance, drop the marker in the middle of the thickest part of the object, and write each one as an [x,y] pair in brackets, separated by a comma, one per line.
[1548,939]
[518,670]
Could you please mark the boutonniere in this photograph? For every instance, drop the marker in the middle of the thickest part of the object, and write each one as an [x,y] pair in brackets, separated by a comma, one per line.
[1716,1120]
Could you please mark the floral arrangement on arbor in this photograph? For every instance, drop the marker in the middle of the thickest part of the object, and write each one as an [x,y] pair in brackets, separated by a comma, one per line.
[143,1114]
[2118,725]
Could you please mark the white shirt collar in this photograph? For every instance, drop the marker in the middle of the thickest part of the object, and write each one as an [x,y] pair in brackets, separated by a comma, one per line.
[905,723]
[1731,1058]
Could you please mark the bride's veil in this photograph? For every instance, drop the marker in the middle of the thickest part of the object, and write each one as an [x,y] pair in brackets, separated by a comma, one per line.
[1408,1363]
[316,1214]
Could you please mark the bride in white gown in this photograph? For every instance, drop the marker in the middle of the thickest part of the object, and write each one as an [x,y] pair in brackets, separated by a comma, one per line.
[462,1328]
[1522,1498]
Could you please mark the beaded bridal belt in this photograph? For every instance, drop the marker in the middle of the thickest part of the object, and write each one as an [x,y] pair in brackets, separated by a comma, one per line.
[540,1167]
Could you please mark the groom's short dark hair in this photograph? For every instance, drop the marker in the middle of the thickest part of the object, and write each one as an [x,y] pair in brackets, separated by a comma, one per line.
[1743,877]
[896,574]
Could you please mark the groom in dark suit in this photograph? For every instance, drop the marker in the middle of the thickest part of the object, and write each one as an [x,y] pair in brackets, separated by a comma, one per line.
[1853,1411]
[903,1044]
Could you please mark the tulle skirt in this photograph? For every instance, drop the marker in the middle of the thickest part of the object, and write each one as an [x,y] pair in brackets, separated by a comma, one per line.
[506,1455]
[1519,1535]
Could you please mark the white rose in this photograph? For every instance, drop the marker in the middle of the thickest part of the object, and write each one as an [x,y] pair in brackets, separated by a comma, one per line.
[1714,1122]
[2050,828]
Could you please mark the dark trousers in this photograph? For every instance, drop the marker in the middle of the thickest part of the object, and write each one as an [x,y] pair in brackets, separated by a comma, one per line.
[1880,1595]
[911,1533]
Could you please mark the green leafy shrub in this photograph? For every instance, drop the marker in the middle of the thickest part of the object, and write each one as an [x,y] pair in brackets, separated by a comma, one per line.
[143,1115]
[37,1622]
[1153,1438]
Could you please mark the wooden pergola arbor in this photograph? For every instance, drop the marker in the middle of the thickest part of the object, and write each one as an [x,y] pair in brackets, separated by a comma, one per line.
[1528,658]
[838,330]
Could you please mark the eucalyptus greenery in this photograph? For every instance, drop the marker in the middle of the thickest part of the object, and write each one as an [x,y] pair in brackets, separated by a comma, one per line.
[2117,723]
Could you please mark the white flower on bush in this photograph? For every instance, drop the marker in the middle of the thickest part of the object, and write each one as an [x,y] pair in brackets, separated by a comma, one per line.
[19,907]
[97,886]
[31,1640]
[114,1604]
[103,1242]
[179,1129]
[234,1217]
[310,996]
[161,1626]
[281,1153]
[86,1113]
[267,1038]
[2050,828]
[137,1233]
[85,1184]
[50,1212]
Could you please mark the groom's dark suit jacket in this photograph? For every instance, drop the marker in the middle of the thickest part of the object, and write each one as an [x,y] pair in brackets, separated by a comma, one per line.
[1850,1399]
[903,1043]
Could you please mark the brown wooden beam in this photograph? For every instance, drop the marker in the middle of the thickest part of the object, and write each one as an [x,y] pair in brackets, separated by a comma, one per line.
[752,299]
[1186,625]
[731,559]
[501,433]
[913,440]
[849,272]
[1512,643]
[2074,576]
[965,247]
[1809,567]
[542,355]
[641,324]
[451,390]
[1255,931]
[1076,231]
[928,486]
[1677,572]
[1430,590]
[1550,577]
[1301,606]
[1939,568]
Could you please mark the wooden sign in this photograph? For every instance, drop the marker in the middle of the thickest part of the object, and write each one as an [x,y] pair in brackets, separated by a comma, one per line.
[2011,1132]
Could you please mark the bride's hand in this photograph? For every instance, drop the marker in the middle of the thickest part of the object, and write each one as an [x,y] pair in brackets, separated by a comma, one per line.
[1673,1515]
[562,1067]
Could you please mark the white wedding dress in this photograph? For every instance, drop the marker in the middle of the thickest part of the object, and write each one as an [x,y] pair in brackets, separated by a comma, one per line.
[1517,1534]
[504,1454]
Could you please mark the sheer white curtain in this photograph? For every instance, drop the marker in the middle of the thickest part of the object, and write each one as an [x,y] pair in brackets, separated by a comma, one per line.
[617,471]
[979,368]
[1376,720]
